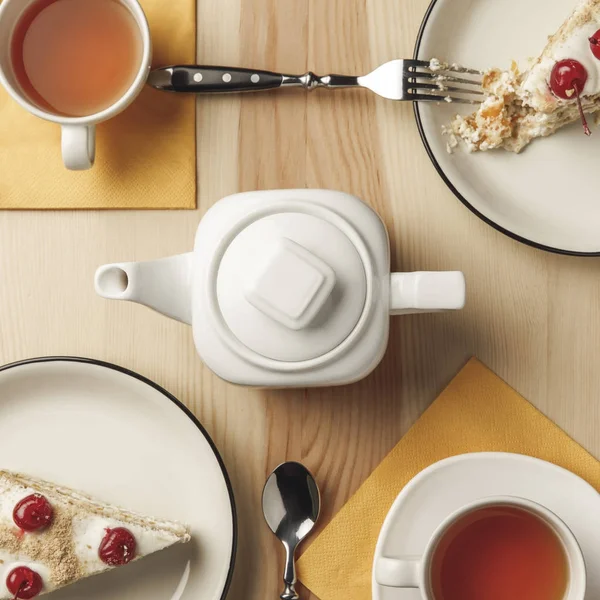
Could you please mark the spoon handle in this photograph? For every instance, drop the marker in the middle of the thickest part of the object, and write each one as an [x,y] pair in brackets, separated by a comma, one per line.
[289,575]
[289,593]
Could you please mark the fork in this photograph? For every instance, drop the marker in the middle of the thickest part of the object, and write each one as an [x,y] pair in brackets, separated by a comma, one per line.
[402,79]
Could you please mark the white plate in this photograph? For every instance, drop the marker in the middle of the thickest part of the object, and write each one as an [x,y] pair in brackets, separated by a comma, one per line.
[444,487]
[119,437]
[548,195]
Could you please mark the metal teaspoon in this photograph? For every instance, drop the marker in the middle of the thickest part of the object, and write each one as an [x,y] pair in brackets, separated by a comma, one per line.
[291,505]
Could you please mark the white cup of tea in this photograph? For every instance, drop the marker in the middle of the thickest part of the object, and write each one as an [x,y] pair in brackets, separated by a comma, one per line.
[447,563]
[58,64]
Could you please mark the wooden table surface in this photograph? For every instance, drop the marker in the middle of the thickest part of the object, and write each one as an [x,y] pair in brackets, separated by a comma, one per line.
[532,317]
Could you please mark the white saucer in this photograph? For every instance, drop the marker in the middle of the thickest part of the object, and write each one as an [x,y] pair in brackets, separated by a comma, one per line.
[546,196]
[444,487]
[118,436]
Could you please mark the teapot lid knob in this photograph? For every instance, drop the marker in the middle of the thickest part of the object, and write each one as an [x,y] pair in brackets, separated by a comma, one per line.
[291,286]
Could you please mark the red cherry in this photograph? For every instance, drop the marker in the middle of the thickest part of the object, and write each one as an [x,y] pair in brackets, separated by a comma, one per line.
[117,547]
[595,44]
[33,512]
[568,78]
[567,81]
[24,583]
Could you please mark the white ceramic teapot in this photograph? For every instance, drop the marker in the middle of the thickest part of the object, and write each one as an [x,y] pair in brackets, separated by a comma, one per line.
[285,288]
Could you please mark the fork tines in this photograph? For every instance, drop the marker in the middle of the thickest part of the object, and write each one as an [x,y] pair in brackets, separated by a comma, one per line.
[435,81]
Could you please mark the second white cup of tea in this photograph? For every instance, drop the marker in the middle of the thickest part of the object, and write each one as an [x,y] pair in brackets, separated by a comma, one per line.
[415,572]
[78,133]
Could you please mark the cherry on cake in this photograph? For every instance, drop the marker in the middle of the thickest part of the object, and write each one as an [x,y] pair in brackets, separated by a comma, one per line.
[562,86]
[52,536]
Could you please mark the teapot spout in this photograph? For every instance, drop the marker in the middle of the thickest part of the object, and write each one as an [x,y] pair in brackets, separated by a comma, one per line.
[163,285]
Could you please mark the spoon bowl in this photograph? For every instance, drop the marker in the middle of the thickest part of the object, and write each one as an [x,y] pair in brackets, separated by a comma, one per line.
[291,506]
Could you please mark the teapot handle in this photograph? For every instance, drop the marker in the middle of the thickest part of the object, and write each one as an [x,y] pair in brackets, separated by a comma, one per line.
[426,291]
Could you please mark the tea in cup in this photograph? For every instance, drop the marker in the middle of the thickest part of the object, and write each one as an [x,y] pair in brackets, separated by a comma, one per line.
[74,62]
[494,549]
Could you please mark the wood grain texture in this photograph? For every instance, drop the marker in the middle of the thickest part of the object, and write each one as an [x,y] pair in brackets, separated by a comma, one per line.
[532,317]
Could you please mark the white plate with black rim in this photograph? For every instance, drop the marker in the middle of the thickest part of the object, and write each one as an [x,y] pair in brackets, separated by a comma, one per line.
[114,434]
[547,196]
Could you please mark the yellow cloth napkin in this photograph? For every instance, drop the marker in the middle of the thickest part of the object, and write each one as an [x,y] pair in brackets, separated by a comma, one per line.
[477,412]
[145,157]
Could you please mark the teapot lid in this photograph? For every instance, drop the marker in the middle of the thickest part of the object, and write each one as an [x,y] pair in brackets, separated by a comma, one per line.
[291,285]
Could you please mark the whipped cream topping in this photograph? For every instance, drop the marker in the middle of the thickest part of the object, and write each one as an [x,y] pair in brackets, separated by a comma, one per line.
[67,550]
[89,531]
[576,47]
[570,42]
[10,562]
[11,558]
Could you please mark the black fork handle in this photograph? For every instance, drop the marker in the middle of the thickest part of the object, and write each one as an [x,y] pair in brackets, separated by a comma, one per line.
[202,79]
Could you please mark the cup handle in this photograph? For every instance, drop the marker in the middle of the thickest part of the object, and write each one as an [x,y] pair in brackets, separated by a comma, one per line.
[398,572]
[78,146]
[426,291]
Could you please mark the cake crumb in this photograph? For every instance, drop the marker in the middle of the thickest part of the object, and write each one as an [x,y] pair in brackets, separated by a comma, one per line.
[452,143]
[498,120]
[436,65]
[56,551]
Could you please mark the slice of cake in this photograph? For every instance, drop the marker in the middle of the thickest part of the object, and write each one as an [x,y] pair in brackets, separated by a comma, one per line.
[52,536]
[562,86]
